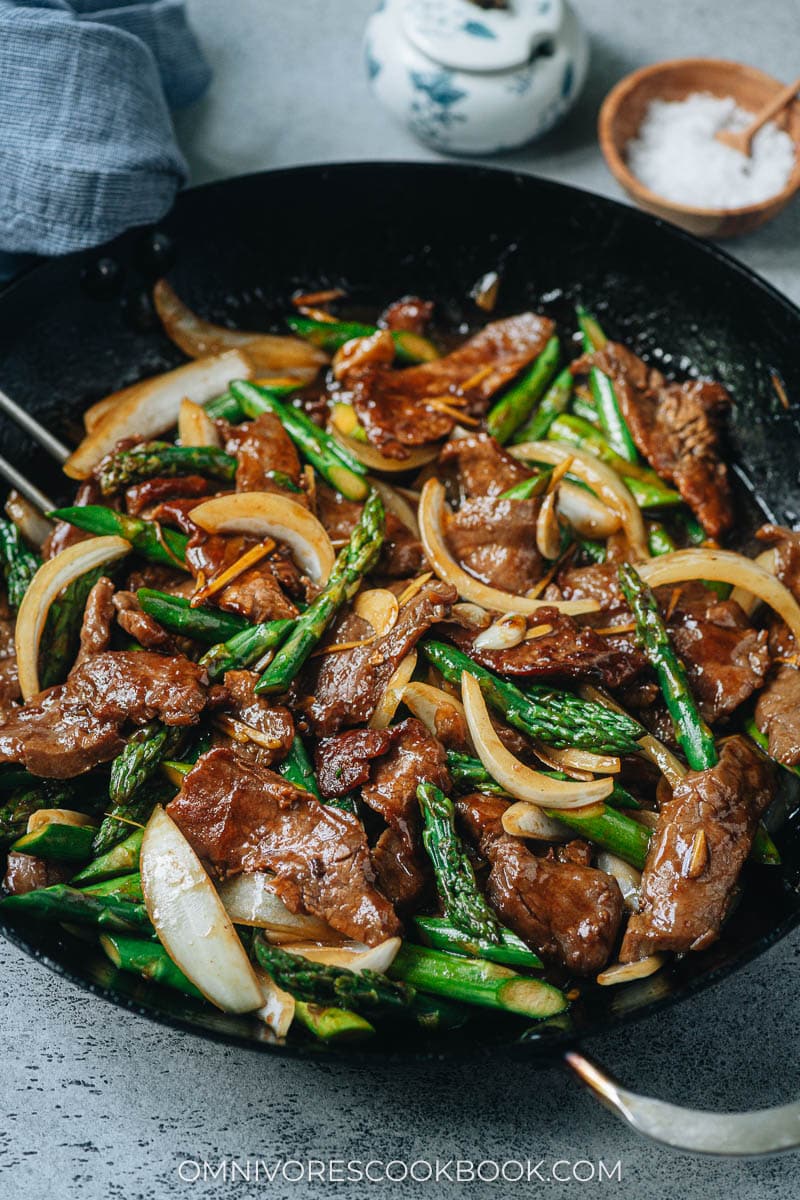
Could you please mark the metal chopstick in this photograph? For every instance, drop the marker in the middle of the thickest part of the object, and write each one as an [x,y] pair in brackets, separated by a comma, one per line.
[55,448]
[29,490]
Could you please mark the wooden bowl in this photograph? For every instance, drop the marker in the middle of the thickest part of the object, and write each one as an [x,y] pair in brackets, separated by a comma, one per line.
[624,108]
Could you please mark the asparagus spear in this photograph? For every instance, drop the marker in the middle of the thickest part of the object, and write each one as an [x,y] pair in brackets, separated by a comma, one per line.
[595,551]
[124,887]
[121,859]
[140,759]
[332,1025]
[149,960]
[534,486]
[658,540]
[557,718]
[647,487]
[441,934]
[352,563]
[605,397]
[62,903]
[554,401]
[515,406]
[584,407]
[244,648]
[155,543]
[136,809]
[227,408]
[475,981]
[342,471]
[55,842]
[297,768]
[693,735]
[462,902]
[62,629]
[153,459]
[20,564]
[330,336]
[175,613]
[364,991]
[473,774]
[42,793]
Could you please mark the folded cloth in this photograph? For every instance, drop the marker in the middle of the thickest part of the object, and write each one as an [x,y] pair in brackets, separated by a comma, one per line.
[87,147]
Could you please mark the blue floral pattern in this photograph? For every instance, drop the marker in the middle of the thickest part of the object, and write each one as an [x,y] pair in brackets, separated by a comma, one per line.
[478,29]
[373,64]
[435,96]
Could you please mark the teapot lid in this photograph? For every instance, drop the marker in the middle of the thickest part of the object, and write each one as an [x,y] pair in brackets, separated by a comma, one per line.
[463,36]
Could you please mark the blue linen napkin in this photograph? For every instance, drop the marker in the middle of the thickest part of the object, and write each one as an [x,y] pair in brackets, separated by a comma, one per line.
[87,147]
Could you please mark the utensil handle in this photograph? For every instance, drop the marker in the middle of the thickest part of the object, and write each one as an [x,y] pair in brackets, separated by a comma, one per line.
[733,1135]
[784,97]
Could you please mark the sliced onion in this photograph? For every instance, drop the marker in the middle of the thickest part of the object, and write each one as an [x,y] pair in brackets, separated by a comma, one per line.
[277,1011]
[580,760]
[267,514]
[151,407]
[668,763]
[379,608]
[353,956]
[195,427]
[724,566]
[601,479]
[268,352]
[438,711]
[529,821]
[587,515]
[471,614]
[240,731]
[394,503]
[48,583]
[519,780]
[628,972]
[505,633]
[190,920]
[418,456]
[628,878]
[431,517]
[250,900]
[29,521]
[58,816]
[746,600]
[548,530]
[393,692]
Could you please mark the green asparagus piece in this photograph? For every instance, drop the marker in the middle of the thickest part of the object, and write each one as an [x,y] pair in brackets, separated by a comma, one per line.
[43,793]
[244,648]
[475,981]
[332,1025]
[62,629]
[298,769]
[557,718]
[364,991]
[462,902]
[57,843]
[473,775]
[341,470]
[515,406]
[647,488]
[554,401]
[441,934]
[135,810]
[534,486]
[595,551]
[693,735]
[124,887]
[154,542]
[152,459]
[763,850]
[330,336]
[584,408]
[14,778]
[352,563]
[149,960]
[62,903]
[605,397]
[19,562]
[140,759]
[175,613]
[658,540]
[227,408]
[120,860]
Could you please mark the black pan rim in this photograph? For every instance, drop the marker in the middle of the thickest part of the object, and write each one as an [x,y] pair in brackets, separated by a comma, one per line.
[546,1049]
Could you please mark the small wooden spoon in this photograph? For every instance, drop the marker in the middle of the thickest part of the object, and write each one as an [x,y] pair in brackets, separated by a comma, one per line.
[742,139]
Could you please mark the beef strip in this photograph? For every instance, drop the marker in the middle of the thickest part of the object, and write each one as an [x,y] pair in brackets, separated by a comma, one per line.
[410,314]
[482,466]
[98,618]
[256,594]
[343,689]
[273,722]
[240,816]
[675,426]
[343,761]
[569,912]
[414,757]
[684,902]
[262,447]
[391,404]
[401,554]
[495,540]
[70,728]
[26,873]
[140,625]
[777,715]
[140,496]
[64,534]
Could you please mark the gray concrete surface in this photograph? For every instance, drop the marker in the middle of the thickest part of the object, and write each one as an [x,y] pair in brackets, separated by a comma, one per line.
[99,1103]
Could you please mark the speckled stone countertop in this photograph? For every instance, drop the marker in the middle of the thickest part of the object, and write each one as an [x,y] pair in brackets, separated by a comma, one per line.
[100,1103]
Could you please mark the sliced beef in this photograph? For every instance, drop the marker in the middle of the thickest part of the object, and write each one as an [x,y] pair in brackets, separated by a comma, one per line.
[481,465]
[786,544]
[26,873]
[401,554]
[98,618]
[263,449]
[414,757]
[343,761]
[64,534]
[567,651]
[410,314]
[240,816]
[569,912]
[74,726]
[272,723]
[256,594]
[495,540]
[140,625]
[343,689]
[703,836]
[140,496]
[777,715]
[600,583]
[391,404]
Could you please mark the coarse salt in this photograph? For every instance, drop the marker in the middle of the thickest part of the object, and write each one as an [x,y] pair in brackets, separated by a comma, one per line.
[676,154]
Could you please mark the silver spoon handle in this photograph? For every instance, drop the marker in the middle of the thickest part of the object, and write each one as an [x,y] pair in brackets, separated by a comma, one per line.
[734,1135]
[55,448]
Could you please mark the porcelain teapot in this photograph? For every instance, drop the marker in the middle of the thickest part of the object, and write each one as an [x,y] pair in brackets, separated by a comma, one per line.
[468,79]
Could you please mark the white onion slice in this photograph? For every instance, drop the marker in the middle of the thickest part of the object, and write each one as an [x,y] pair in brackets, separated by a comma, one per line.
[724,566]
[190,920]
[628,972]
[548,530]
[366,453]
[529,821]
[48,583]
[58,816]
[393,502]
[29,521]
[587,515]
[746,600]
[151,407]
[353,956]
[195,427]
[628,878]
[437,710]
[267,514]
[431,517]
[581,760]
[601,479]
[277,1011]
[250,900]
[503,634]
[393,692]
[379,608]
[519,780]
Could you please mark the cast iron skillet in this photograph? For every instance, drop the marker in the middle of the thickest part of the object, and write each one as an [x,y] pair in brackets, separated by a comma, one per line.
[74,329]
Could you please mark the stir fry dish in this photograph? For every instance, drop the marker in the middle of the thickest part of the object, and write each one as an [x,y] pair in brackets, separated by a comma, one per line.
[379,676]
